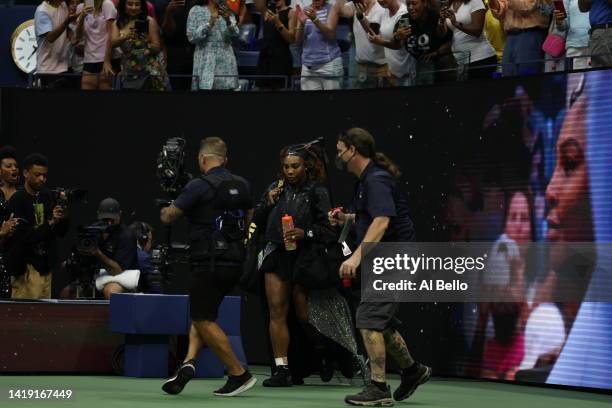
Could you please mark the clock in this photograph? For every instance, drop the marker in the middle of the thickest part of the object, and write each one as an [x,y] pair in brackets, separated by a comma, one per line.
[24,46]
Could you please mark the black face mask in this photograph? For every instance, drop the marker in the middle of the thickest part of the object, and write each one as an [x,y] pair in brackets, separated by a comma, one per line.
[341,164]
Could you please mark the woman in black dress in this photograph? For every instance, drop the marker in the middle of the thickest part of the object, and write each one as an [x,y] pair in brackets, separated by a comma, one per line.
[278,32]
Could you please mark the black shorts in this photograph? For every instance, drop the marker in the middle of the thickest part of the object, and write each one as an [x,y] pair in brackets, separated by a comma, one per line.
[96,67]
[207,289]
[377,316]
[281,263]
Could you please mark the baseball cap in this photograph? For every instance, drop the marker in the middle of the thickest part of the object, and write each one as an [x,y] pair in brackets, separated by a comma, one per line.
[109,208]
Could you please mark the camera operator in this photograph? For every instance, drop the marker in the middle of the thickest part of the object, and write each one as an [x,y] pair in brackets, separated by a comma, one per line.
[31,253]
[214,205]
[150,278]
[116,249]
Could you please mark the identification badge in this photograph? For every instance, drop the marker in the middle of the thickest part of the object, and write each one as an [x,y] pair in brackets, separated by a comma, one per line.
[346,251]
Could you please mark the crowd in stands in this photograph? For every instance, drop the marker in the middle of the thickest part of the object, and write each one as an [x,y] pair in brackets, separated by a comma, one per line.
[193,44]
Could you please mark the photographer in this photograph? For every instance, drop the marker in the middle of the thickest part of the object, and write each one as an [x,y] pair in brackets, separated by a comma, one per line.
[150,279]
[31,252]
[116,249]
[214,204]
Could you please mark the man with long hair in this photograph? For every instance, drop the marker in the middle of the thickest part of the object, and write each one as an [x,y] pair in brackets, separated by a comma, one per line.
[381,215]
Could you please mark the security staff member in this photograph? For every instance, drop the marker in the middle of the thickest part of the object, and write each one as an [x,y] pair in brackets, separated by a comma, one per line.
[212,203]
[381,215]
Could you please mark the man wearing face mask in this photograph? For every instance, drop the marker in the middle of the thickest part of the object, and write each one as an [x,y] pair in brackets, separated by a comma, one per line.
[116,250]
[381,215]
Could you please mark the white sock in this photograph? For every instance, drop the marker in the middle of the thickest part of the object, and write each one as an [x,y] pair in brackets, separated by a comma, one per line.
[280,361]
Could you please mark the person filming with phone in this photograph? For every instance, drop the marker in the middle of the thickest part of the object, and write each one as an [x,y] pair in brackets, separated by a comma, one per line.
[372,68]
[94,25]
[137,35]
[31,252]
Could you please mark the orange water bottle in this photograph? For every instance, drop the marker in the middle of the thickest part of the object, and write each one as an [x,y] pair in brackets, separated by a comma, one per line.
[287,222]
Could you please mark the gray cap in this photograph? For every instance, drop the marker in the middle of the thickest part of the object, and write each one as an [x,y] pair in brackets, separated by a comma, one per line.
[109,208]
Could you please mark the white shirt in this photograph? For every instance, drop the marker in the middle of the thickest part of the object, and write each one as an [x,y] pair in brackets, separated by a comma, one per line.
[52,57]
[400,61]
[466,45]
[365,50]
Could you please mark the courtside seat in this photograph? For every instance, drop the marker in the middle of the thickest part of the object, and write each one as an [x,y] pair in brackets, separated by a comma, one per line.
[149,320]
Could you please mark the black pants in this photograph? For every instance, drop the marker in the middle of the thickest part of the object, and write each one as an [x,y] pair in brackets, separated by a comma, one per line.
[208,286]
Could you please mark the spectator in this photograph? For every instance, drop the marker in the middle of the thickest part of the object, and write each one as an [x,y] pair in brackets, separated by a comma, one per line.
[576,24]
[278,32]
[150,278]
[495,33]
[238,8]
[401,64]
[94,26]
[150,9]
[179,51]
[9,176]
[466,18]
[372,68]
[76,47]
[526,24]
[427,39]
[51,21]
[210,28]
[140,66]
[31,253]
[321,57]
[600,42]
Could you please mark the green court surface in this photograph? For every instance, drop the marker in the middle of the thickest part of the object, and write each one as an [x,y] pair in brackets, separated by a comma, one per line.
[103,392]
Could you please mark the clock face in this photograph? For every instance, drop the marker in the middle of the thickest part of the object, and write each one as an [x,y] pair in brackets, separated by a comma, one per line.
[24,47]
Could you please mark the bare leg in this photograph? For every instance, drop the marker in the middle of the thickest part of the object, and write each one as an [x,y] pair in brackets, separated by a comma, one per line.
[196,343]
[111,288]
[375,346]
[396,347]
[214,337]
[277,293]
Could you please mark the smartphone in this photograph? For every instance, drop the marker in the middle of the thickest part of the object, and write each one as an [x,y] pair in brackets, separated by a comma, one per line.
[559,6]
[89,3]
[142,26]
[444,4]
[404,22]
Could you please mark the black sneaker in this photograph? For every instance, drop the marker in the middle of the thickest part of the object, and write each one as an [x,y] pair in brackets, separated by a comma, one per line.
[410,383]
[280,378]
[371,396]
[326,370]
[236,385]
[183,374]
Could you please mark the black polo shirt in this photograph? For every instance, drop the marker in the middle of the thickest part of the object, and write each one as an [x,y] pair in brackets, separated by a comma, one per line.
[378,194]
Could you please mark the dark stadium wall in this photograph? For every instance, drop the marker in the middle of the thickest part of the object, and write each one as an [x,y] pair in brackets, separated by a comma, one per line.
[108,142]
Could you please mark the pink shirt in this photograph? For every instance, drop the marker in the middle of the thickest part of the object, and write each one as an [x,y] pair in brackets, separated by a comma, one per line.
[95,32]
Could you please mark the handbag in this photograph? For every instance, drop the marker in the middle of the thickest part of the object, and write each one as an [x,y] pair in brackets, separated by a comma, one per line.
[554,44]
